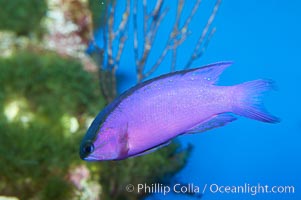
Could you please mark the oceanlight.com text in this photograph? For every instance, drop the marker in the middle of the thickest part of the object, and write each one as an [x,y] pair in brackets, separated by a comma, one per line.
[249,189]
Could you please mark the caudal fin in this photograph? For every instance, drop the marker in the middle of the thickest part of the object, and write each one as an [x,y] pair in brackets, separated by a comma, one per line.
[248,102]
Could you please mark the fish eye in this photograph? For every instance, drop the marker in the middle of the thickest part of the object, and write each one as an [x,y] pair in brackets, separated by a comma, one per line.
[88,148]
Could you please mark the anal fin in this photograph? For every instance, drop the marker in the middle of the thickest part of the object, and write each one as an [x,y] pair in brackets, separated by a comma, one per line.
[213,122]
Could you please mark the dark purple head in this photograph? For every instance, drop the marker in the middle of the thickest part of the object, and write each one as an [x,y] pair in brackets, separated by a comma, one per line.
[103,142]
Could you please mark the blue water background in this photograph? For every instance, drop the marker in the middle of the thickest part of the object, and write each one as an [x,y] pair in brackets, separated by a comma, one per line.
[263,39]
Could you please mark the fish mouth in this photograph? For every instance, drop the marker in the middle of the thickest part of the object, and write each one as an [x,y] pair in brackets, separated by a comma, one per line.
[91,159]
[107,157]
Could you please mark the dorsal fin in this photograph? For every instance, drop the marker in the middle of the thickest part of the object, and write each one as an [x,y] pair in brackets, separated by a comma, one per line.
[209,73]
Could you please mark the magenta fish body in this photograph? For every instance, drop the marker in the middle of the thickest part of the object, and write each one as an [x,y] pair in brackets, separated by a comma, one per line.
[151,114]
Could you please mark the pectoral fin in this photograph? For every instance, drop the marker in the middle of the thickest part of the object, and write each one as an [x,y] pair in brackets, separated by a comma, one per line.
[123,145]
[213,122]
[153,149]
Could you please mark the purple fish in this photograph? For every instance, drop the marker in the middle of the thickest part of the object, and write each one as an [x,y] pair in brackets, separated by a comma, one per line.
[149,115]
